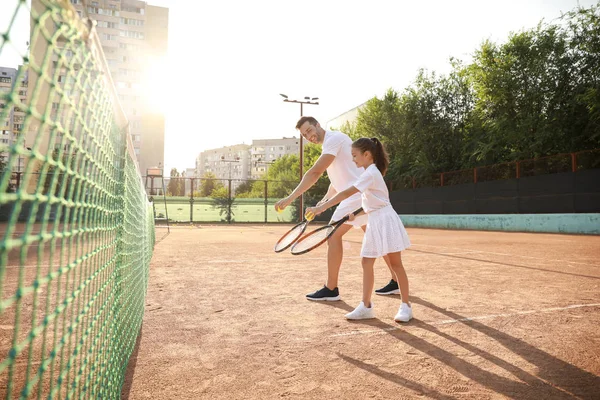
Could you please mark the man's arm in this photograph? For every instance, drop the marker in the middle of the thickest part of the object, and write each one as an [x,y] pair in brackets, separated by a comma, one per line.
[330,193]
[312,176]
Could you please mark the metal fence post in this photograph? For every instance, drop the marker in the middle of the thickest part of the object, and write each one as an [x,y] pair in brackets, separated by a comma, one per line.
[229,203]
[191,199]
[266,200]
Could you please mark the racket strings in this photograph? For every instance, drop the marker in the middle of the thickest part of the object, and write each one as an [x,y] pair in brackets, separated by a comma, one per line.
[309,241]
[289,238]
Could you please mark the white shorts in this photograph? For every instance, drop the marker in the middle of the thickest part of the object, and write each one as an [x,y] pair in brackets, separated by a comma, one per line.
[348,206]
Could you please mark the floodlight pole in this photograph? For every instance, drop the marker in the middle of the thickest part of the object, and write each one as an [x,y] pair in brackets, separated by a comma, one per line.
[307,100]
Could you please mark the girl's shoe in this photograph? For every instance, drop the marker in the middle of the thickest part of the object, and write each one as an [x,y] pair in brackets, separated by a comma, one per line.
[405,313]
[362,312]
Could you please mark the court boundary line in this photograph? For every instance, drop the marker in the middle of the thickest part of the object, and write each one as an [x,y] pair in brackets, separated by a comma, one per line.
[467,319]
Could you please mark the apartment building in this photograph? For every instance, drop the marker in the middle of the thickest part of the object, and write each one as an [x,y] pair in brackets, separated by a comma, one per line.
[229,162]
[349,116]
[264,152]
[12,124]
[131,33]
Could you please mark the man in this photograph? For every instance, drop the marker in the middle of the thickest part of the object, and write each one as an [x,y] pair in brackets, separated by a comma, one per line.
[336,159]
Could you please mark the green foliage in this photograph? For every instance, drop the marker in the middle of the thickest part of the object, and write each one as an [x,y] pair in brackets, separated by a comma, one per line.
[223,202]
[176,186]
[537,94]
[208,184]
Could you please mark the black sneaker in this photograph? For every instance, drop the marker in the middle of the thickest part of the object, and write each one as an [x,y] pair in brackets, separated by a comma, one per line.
[390,288]
[324,294]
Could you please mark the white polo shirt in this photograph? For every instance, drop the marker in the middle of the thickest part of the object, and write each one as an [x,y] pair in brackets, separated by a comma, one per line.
[342,172]
[375,194]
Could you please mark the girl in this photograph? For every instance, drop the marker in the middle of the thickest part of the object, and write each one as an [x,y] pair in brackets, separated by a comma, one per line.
[385,234]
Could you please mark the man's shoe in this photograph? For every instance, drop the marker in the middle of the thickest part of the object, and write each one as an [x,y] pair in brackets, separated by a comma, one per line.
[390,288]
[362,312]
[324,294]
[405,313]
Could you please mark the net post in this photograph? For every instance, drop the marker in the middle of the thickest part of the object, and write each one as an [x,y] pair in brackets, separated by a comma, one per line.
[573,162]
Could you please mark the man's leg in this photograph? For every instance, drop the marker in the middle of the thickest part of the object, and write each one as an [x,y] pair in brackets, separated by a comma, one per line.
[335,253]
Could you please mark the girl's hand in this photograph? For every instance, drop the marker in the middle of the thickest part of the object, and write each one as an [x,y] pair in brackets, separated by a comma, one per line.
[351,217]
[312,212]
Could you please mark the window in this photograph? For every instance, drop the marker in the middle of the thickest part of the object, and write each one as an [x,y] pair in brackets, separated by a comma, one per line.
[106,36]
[107,24]
[5,79]
[132,21]
[132,34]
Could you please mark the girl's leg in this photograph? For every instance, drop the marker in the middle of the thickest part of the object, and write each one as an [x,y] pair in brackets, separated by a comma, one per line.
[385,258]
[401,278]
[368,280]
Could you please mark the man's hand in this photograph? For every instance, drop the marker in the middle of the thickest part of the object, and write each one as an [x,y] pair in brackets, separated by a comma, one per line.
[282,204]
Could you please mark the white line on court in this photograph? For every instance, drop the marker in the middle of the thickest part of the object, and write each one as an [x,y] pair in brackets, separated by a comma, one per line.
[506,254]
[454,321]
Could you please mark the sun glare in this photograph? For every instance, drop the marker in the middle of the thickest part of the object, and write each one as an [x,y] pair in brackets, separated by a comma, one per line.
[156,85]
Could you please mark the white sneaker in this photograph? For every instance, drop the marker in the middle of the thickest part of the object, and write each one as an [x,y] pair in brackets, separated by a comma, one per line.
[362,312]
[404,313]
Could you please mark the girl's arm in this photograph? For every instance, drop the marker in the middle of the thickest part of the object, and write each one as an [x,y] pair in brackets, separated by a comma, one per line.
[338,198]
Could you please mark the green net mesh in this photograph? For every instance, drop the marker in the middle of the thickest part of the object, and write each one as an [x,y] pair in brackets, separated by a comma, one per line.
[78,231]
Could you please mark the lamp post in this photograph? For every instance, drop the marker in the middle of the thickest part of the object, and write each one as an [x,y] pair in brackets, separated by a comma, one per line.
[236,159]
[307,100]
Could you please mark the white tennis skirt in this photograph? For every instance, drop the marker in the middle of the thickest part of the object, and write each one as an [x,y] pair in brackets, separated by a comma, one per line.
[385,234]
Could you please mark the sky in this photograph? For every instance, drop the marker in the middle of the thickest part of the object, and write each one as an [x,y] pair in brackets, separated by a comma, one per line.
[228,61]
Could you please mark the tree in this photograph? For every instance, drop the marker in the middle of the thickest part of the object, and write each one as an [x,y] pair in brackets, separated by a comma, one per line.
[176,186]
[208,184]
[223,202]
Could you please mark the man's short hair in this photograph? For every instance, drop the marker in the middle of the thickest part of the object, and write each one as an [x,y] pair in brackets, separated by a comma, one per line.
[310,120]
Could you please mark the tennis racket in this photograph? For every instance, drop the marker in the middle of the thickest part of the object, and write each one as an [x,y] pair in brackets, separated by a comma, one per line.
[314,239]
[290,237]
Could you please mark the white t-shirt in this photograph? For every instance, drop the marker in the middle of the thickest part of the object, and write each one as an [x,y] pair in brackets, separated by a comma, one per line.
[375,194]
[342,171]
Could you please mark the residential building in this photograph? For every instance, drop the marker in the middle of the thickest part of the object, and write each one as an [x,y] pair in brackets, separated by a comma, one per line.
[131,33]
[11,125]
[265,151]
[229,162]
[189,174]
[349,116]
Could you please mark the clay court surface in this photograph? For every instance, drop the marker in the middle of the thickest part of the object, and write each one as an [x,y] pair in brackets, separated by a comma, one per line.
[497,315]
